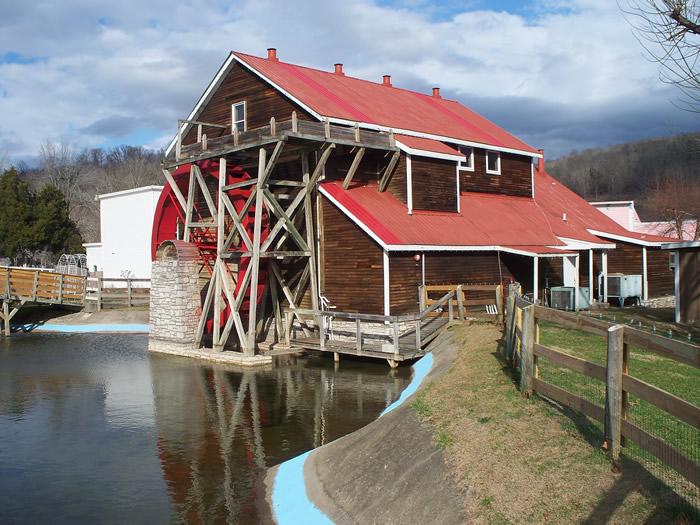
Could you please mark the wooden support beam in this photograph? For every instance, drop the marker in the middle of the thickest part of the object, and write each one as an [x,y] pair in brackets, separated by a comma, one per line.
[255,259]
[288,294]
[245,238]
[273,161]
[309,220]
[174,187]
[292,230]
[189,206]
[386,177]
[203,186]
[353,167]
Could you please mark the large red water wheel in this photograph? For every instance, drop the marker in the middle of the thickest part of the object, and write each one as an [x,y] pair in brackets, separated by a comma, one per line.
[169,222]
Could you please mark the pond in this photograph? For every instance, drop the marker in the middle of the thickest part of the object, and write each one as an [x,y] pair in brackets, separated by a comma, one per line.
[95,429]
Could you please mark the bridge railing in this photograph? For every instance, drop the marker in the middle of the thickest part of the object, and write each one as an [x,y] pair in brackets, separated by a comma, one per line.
[41,286]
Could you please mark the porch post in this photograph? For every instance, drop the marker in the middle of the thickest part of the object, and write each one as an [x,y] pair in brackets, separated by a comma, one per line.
[605,276]
[645,280]
[535,277]
[590,276]
[387,302]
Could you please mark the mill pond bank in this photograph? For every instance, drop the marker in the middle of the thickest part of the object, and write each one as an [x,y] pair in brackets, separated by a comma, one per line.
[38,318]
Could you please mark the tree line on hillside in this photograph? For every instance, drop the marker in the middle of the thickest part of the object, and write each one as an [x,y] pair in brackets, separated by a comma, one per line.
[81,175]
[661,175]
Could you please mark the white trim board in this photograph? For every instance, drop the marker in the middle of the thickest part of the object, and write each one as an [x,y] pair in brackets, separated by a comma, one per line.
[622,238]
[430,154]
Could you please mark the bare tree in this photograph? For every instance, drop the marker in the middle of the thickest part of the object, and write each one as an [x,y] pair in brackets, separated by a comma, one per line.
[669,31]
[676,202]
[61,167]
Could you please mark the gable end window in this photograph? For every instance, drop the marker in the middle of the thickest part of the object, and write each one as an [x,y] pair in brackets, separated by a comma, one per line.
[493,162]
[467,165]
[238,116]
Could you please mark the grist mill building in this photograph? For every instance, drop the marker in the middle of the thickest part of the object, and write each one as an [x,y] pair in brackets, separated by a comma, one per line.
[302,190]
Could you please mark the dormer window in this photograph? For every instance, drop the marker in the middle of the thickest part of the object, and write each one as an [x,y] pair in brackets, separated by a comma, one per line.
[238,114]
[468,152]
[493,162]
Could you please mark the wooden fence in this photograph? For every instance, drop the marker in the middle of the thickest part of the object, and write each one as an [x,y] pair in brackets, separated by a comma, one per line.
[523,349]
[476,300]
[102,293]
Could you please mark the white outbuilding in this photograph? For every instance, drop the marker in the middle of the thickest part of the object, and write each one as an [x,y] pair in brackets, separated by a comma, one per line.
[126,223]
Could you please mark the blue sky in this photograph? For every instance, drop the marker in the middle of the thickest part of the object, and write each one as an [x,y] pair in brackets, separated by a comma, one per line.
[560,74]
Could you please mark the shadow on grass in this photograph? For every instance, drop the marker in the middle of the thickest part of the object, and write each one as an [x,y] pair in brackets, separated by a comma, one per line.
[668,506]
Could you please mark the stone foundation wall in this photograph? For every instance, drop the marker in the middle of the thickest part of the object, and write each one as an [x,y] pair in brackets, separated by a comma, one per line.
[668,301]
[175,301]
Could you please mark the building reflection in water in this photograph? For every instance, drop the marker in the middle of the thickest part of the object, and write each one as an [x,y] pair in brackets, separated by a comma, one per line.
[218,428]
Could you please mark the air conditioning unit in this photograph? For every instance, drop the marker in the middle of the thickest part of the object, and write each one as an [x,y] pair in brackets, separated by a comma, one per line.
[562,297]
[622,286]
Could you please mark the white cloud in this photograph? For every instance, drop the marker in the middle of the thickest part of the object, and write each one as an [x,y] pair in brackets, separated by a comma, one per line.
[545,76]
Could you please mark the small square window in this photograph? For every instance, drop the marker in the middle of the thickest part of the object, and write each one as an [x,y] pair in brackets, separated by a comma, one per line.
[238,116]
[493,162]
[467,165]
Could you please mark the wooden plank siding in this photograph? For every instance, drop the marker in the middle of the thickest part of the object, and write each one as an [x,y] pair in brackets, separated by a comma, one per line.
[659,273]
[626,258]
[404,279]
[262,103]
[352,276]
[397,184]
[689,286]
[515,177]
[465,268]
[434,184]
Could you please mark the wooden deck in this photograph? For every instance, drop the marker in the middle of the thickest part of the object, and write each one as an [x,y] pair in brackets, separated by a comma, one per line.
[30,285]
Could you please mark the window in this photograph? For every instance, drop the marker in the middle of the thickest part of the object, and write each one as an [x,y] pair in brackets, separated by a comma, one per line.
[467,165]
[238,116]
[493,162]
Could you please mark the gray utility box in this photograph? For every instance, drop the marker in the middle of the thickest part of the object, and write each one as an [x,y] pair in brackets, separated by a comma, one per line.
[622,286]
[562,297]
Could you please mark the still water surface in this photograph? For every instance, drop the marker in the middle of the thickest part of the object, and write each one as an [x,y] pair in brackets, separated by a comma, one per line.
[94,429]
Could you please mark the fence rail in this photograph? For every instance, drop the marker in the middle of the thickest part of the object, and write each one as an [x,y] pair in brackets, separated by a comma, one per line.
[476,300]
[116,296]
[523,350]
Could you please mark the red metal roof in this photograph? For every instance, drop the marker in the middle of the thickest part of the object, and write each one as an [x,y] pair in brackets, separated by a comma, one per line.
[343,97]
[486,220]
[434,146]
[555,200]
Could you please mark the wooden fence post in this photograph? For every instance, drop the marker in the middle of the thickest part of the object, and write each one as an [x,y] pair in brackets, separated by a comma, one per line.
[419,339]
[128,292]
[613,391]
[99,293]
[527,351]
[450,313]
[536,367]
[510,316]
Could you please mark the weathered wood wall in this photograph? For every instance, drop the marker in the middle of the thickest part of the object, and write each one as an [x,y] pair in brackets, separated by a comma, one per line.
[262,103]
[397,184]
[352,275]
[659,273]
[689,286]
[434,184]
[404,279]
[515,177]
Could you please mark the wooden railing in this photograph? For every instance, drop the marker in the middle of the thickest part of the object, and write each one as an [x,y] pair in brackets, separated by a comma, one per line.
[523,349]
[41,286]
[469,296]
[424,325]
[128,295]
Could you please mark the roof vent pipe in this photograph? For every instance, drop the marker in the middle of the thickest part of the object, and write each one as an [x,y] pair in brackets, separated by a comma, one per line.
[272,54]
[339,69]
[386,80]
[563,216]
[540,161]
[436,92]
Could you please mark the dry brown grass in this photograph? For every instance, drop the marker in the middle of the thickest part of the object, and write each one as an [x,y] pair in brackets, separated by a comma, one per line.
[527,461]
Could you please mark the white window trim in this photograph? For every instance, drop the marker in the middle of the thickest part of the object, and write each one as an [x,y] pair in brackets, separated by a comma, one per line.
[245,115]
[497,171]
[470,157]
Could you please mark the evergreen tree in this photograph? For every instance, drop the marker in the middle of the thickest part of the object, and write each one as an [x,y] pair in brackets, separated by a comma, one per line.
[16,215]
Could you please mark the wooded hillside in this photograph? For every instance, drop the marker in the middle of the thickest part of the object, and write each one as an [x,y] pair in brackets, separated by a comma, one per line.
[661,175]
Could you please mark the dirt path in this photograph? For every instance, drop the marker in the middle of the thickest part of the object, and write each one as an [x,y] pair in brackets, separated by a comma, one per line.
[528,461]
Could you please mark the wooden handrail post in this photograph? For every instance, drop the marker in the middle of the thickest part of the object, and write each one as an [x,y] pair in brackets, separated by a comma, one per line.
[419,341]
[422,297]
[536,367]
[35,285]
[322,332]
[450,313]
[396,338]
[295,122]
[6,315]
[527,351]
[287,328]
[460,303]
[60,288]
[178,144]
[128,292]
[358,336]
[613,391]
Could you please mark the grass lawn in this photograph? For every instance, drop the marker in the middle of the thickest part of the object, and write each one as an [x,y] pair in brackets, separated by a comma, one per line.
[531,461]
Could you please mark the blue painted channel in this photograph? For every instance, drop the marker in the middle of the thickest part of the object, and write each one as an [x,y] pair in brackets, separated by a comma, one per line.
[81,328]
[290,502]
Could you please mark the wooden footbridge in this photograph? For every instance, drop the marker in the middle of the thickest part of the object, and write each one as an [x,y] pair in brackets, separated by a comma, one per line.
[19,286]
